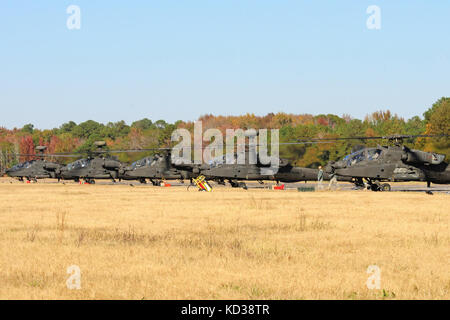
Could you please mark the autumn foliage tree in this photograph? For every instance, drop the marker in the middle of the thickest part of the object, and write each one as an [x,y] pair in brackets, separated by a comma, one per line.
[27,147]
[438,123]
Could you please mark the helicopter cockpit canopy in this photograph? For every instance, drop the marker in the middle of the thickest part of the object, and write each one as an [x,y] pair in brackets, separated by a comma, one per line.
[142,162]
[157,159]
[78,164]
[22,165]
[361,155]
[373,154]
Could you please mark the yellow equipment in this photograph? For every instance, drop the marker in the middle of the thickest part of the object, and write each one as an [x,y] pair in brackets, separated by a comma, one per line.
[202,184]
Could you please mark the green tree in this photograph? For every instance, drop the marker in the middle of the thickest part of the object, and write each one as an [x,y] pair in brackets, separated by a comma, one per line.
[439,123]
[142,124]
[67,127]
[120,128]
[28,128]
[161,124]
[87,129]
[443,101]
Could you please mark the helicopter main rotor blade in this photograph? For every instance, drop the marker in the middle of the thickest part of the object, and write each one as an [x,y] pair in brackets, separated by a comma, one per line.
[131,150]
[298,142]
[314,140]
[44,155]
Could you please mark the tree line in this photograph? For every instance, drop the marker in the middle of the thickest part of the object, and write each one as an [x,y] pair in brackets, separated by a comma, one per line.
[145,134]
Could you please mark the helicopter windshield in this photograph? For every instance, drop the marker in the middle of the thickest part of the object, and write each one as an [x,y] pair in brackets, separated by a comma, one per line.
[157,159]
[373,154]
[142,162]
[355,157]
[78,164]
[365,154]
[22,165]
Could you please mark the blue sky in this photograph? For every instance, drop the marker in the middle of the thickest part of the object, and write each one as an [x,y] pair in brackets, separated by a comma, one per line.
[176,59]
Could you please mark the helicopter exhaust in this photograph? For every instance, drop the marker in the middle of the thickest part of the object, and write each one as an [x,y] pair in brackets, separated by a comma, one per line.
[417,156]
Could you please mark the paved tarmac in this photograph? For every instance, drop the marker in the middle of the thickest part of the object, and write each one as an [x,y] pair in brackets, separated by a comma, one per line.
[345,186]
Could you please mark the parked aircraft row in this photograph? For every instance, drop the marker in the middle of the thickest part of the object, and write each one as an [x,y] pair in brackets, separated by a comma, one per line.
[368,167]
[157,168]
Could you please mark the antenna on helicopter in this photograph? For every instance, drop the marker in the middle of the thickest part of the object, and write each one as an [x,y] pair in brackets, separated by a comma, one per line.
[40,150]
[100,145]
[100,148]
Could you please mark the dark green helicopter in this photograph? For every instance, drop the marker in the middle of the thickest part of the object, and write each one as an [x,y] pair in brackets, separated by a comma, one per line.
[38,168]
[226,168]
[155,168]
[98,165]
[370,167]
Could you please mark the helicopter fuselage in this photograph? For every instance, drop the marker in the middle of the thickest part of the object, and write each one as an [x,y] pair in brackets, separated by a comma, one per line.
[35,169]
[92,168]
[158,168]
[390,164]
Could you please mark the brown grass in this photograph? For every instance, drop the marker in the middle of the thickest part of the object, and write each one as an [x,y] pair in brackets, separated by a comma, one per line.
[169,243]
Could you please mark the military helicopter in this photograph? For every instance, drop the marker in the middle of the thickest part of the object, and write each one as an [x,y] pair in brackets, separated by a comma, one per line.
[221,170]
[38,168]
[155,168]
[369,167]
[98,165]
[227,169]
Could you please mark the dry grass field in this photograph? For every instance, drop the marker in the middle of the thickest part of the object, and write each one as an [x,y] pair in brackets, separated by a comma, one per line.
[169,243]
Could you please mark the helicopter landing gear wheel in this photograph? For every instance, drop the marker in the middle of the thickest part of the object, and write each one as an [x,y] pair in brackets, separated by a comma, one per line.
[386,187]
[359,184]
[374,185]
[143,181]
[156,183]
[234,184]
[243,185]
